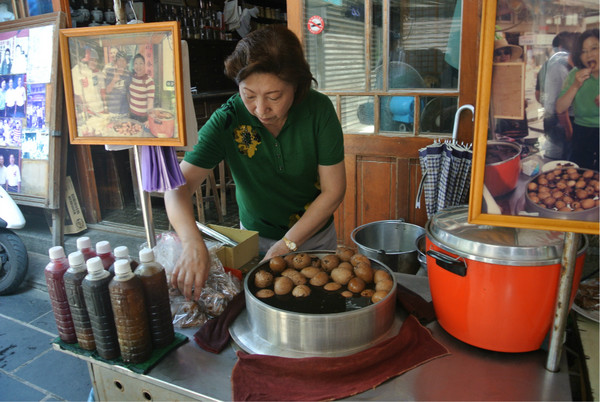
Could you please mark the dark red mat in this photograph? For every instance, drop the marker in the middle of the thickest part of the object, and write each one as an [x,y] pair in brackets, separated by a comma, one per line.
[271,378]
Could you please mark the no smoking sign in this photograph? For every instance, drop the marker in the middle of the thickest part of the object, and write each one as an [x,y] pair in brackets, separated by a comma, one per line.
[315,24]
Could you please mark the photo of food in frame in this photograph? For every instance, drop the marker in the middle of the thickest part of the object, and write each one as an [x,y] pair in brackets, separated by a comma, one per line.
[123,86]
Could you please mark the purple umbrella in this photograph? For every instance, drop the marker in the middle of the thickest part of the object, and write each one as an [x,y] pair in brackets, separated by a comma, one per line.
[160,169]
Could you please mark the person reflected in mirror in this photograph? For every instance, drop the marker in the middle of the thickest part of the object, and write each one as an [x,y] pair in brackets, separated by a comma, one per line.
[513,128]
[118,79]
[283,143]
[581,91]
[556,69]
[13,175]
[141,90]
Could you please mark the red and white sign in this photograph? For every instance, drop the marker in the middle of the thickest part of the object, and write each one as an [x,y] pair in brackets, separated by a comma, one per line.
[315,24]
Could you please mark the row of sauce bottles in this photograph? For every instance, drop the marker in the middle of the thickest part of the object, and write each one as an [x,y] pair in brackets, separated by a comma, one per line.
[107,302]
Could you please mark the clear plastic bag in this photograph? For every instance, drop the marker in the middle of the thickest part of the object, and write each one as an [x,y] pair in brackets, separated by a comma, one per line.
[219,289]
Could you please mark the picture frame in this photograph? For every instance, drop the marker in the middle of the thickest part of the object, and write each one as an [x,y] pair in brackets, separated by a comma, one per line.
[123,84]
[516,204]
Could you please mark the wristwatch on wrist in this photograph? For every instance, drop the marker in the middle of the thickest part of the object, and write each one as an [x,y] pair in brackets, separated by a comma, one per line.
[290,244]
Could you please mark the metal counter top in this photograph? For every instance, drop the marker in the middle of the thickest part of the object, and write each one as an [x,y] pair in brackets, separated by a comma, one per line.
[469,373]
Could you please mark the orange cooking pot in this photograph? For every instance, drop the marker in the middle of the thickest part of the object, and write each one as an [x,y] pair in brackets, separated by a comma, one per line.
[502,167]
[492,287]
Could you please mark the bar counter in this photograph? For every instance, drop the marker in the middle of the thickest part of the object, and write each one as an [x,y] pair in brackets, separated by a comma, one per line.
[468,373]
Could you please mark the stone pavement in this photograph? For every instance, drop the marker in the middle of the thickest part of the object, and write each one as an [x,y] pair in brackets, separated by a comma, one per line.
[30,370]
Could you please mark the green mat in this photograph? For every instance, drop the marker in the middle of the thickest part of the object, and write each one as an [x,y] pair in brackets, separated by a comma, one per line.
[140,368]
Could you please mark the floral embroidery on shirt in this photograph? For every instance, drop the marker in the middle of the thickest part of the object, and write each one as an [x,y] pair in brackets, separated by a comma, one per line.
[248,140]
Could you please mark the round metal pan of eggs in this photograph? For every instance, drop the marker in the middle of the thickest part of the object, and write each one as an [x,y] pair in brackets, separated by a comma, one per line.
[317,303]
[564,193]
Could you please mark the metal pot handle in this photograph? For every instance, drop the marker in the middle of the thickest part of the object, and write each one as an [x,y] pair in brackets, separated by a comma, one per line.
[454,265]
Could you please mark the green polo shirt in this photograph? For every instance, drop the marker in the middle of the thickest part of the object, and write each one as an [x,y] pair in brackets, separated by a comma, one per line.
[584,107]
[276,178]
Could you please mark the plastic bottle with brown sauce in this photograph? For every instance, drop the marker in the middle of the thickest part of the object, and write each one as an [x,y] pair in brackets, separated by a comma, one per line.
[54,273]
[97,302]
[104,251]
[84,245]
[120,253]
[81,320]
[156,291]
[131,317]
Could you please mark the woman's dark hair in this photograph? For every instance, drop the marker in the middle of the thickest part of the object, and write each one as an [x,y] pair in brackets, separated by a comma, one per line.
[273,50]
[576,55]
[139,56]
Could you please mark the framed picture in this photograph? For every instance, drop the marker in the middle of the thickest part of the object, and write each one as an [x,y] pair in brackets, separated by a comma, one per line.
[123,84]
[529,170]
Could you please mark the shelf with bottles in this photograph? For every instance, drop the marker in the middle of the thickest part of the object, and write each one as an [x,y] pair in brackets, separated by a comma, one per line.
[90,13]
[199,20]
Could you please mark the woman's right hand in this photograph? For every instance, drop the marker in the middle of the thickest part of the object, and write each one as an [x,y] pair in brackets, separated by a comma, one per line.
[191,270]
[581,76]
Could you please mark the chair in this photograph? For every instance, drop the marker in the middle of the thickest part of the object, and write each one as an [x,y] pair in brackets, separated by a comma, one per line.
[211,193]
[225,182]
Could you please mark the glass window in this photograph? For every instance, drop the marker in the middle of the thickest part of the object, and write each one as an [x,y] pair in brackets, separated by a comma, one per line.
[358,114]
[399,52]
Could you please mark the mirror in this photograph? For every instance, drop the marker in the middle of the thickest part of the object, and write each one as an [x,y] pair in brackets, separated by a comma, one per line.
[535,158]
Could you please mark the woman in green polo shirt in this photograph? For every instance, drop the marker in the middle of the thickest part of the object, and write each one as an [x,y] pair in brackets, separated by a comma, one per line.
[283,143]
[580,89]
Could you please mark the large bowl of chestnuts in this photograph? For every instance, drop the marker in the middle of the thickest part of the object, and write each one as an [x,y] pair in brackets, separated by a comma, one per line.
[564,193]
[317,303]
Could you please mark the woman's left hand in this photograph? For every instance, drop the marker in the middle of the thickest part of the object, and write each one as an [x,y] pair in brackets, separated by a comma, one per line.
[279,248]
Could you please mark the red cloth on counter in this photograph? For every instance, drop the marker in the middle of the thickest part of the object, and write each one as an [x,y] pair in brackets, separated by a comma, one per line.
[261,377]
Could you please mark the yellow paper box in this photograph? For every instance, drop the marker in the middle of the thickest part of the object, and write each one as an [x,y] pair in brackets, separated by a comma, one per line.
[246,250]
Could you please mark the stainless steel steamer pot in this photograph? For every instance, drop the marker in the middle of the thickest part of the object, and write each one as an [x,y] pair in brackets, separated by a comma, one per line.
[337,334]
[391,242]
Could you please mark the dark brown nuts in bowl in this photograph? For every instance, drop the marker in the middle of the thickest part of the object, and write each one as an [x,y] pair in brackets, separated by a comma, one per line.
[568,193]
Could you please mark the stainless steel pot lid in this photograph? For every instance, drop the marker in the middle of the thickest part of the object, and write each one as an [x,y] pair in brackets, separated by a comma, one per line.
[450,230]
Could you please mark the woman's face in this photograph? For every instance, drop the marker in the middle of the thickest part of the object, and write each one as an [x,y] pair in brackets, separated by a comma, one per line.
[121,63]
[502,55]
[268,98]
[589,54]
[138,66]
